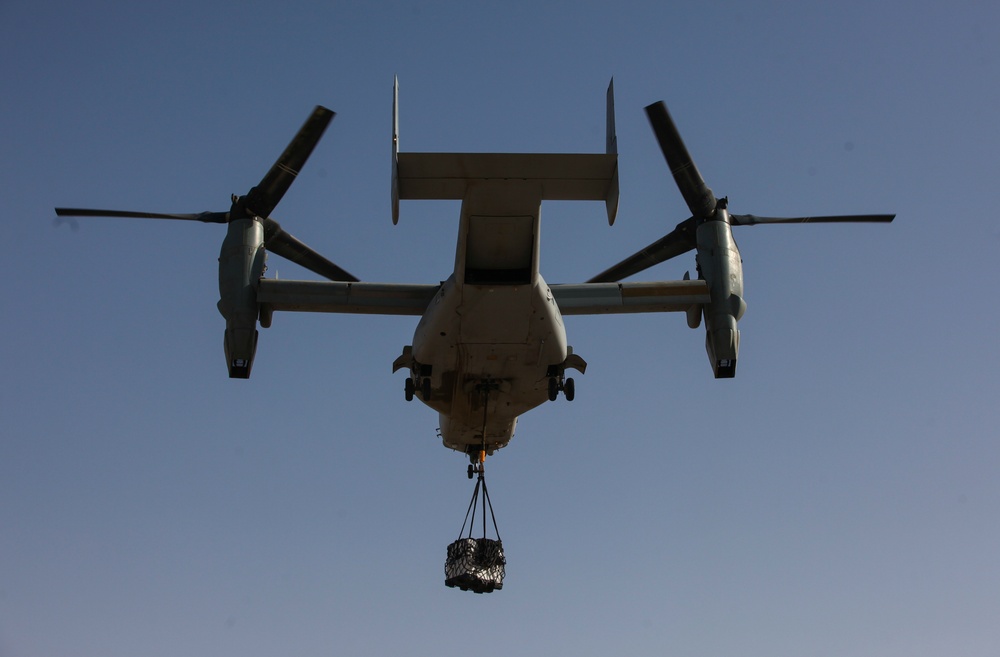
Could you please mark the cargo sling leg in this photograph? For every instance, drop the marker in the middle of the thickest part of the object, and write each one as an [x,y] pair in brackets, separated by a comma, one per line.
[477,564]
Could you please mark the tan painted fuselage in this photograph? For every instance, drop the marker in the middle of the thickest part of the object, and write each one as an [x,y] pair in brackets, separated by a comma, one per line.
[492,337]
[489,351]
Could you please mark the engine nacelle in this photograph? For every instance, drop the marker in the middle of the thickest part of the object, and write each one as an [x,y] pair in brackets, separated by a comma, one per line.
[241,264]
[719,263]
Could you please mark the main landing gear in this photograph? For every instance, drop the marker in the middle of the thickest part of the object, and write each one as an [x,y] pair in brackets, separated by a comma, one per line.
[410,388]
[559,384]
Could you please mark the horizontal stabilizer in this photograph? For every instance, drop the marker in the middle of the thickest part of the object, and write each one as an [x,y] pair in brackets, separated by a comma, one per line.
[560,177]
[563,177]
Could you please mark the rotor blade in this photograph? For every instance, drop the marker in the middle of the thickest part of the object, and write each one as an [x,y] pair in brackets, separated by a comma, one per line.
[277,241]
[750,220]
[205,217]
[697,195]
[262,199]
[680,240]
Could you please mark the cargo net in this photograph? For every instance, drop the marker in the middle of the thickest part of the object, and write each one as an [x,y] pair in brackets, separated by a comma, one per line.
[476,564]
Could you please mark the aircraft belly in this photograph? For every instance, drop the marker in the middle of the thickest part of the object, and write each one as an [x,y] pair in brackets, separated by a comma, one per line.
[491,315]
[505,350]
[435,345]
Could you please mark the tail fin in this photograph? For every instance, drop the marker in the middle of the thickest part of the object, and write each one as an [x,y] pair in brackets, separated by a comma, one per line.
[611,148]
[395,150]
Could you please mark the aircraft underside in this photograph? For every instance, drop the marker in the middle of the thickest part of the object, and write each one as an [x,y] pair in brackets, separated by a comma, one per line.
[480,386]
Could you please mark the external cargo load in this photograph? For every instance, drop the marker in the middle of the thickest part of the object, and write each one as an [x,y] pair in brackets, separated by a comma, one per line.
[475,564]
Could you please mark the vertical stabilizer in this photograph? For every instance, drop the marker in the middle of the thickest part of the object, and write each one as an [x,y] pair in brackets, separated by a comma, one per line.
[611,148]
[395,150]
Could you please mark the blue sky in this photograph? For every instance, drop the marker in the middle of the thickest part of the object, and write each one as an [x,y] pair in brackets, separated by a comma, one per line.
[839,497]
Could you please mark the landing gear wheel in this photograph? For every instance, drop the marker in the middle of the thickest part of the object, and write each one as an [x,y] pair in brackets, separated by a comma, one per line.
[425,389]
[569,389]
[408,389]
[471,470]
[553,388]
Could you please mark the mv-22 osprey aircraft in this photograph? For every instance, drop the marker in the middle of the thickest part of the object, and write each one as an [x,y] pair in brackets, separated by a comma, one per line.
[490,344]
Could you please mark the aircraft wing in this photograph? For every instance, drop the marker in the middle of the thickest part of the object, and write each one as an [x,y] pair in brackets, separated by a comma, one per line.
[619,298]
[412,299]
[342,297]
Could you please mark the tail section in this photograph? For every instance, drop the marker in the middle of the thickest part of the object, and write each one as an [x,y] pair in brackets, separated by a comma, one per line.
[583,176]
[611,148]
[395,151]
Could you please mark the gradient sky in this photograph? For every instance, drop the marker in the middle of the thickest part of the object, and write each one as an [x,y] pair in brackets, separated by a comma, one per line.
[839,497]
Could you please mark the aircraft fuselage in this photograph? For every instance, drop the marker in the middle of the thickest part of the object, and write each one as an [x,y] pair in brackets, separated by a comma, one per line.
[493,336]
[489,351]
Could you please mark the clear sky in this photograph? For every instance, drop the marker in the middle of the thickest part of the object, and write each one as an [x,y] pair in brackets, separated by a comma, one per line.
[839,497]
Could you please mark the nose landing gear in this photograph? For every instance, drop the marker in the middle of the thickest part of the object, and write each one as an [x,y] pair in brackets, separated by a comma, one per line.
[478,465]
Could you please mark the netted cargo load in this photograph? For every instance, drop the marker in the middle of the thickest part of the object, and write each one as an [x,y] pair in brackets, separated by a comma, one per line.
[475,564]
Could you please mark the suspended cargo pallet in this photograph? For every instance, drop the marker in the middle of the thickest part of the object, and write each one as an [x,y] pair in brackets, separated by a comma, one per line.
[475,564]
